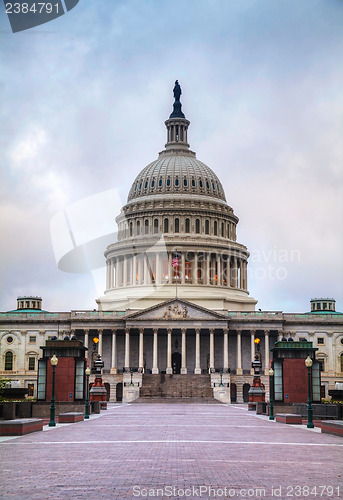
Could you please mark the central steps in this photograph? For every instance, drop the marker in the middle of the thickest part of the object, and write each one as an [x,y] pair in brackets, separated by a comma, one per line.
[176,388]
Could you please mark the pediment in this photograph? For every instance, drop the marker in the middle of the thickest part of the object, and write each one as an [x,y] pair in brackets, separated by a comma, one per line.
[176,310]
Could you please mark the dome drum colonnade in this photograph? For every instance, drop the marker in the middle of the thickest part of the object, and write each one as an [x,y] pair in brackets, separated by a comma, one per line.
[177,208]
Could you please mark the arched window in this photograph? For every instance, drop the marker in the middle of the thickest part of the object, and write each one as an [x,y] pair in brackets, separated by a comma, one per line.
[197,226]
[153,183]
[160,182]
[156,226]
[166,225]
[146,224]
[228,231]
[131,228]
[146,184]
[193,183]
[207,185]
[176,181]
[223,229]
[177,225]
[168,182]
[215,228]
[138,228]
[187,226]
[207,227]
[200,183]
[185,182]
[9,361]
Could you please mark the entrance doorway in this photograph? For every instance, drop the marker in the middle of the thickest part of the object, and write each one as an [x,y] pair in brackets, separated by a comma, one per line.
[176,362]
[246,388]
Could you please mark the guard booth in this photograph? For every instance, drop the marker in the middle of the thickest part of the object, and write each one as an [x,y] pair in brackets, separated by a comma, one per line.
[69,373]
[291,374]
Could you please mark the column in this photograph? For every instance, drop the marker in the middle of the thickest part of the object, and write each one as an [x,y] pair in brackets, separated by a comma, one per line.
[141,352]
[170,269]
[183,352]
[183,265]
[114,353]
[100,341]
[211,349]
[252,349]
[195,270]
[155,353]
[86,340]
[169,369]
[197,369]
[140,269]
[266,352]
[235,272]
[107,274]
[219,271]
[125,271]
[127,349]
[158,275]
[240,273]
[239,370]
[134,271]
[146,270]
[226,350]
[208,269]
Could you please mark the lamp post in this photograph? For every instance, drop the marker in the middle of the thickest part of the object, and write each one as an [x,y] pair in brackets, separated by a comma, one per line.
[221,378]
[53,362]
[309,363]
[88,372]
[131,382]
[271,394]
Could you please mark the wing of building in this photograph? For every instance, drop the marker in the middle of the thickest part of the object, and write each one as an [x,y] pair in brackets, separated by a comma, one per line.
[176,302]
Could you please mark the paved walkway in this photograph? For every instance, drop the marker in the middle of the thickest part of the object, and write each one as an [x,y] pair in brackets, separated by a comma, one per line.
[172,451]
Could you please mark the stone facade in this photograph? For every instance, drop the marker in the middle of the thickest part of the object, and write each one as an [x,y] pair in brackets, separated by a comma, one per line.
[176,298]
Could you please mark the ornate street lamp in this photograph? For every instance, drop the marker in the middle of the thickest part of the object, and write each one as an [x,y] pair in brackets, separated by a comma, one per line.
[309,363]
[131,382]
[221,378]
[88,372]
[271,394]
[52,422]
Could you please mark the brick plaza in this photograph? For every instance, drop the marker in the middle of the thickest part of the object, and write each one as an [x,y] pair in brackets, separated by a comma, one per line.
[172,451]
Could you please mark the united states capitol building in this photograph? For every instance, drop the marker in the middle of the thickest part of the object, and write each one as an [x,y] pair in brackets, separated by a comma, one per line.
[176,319]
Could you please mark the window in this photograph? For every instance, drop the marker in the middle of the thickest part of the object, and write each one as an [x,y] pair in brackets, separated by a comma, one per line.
[131,228]
[146,226]
[177,225]
[215,228]
[223,230]
[319,306]
[321,362]
[153,183]
[9,339]
[197,226]
[185,182]
[9,361]
[187,226]
[168,182]
[207,185]
[320,341]
[193,183]
[207,227]
[302,339]
[31,388]
[32,339]
[201,183]
[156,226]
[166,225]
[138,228]
[160,182]
[146,184]
[177,182]
[32,363]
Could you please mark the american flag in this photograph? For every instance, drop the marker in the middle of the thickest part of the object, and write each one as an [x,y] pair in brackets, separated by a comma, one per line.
[175,262]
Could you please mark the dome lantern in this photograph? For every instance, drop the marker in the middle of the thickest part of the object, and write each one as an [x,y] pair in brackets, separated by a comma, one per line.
[177,125]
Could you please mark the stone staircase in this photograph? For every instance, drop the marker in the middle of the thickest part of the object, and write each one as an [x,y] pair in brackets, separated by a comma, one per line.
[176,388]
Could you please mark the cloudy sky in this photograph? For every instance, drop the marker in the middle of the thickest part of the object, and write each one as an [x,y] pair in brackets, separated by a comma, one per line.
[83,101]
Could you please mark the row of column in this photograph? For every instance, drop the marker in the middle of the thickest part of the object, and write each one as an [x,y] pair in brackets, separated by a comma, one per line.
[169,370]
[148,268]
